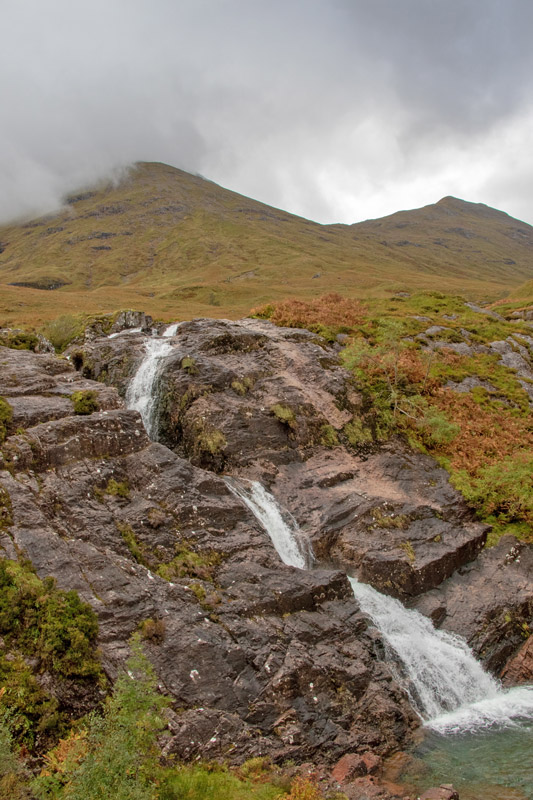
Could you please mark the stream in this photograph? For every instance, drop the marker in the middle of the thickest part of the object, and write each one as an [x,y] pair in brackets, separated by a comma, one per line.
[475,733]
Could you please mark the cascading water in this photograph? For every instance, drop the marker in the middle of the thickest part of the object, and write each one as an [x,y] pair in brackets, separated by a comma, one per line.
[293,548]
[140,395]
[448,687]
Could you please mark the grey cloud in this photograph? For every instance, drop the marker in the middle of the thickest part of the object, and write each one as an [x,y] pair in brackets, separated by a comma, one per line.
[330,109]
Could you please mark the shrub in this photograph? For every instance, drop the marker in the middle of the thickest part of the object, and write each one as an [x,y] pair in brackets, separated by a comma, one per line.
[63,330]
[153,630]
[85,402]
[119,758]
[6,416]
[19,340]
[327,315]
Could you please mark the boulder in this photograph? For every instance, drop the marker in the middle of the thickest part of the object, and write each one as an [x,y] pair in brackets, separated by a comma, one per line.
[443,792]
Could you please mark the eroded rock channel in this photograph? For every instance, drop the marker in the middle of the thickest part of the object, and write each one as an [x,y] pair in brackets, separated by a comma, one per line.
[259,657]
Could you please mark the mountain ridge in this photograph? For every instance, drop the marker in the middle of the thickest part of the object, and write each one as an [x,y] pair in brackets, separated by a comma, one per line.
[178,244]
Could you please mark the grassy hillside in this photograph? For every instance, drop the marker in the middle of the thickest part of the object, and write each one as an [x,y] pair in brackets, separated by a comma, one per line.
[177,245]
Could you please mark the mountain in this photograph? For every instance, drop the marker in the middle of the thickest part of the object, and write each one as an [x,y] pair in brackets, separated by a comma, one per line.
[176,244]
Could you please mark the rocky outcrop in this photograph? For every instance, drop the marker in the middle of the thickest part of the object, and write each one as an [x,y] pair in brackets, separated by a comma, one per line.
[42,387]
[258,657]
[489,602]
[274,404]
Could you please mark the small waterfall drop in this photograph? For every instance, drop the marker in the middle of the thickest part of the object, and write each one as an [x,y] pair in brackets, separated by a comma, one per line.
[449,688]
[293,548]
[140,394]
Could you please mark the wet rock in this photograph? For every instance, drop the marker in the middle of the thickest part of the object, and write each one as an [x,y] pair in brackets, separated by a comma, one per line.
[489,602]
[443,792]
[259,658]
[520,668]
[349,766]
[39,387]
[270,404]
[391,519]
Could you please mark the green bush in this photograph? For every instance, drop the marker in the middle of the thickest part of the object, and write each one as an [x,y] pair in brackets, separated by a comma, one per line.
[55,628]
[63,330]
[118,758]
[503,490]
[6,415]
[19,340]
[85,402]
[41,620]
[208,783]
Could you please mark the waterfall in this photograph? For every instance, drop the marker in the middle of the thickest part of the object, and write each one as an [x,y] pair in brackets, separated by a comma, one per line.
[291,546]
[140,395]
[450,690]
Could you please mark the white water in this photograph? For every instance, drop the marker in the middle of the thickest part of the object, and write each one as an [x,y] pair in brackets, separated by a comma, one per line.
[140,394]
[124,332]
[449,688]
[293,548]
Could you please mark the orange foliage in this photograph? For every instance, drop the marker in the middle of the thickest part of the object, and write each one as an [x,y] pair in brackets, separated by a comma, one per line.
[486,436]
[304,789]
[330,310]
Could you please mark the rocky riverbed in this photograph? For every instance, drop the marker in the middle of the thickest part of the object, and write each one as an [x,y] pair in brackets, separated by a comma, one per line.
[259,658]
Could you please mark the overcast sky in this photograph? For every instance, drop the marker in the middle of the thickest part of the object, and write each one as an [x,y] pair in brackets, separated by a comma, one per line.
[338,110]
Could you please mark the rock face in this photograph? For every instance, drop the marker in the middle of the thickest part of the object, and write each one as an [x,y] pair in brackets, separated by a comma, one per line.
[274,404]
[489,602]
[39,387]
[520,668]
[260,658]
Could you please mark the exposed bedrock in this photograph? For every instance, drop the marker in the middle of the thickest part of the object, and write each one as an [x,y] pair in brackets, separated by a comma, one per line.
[275,405]
[258,657]
[490,603]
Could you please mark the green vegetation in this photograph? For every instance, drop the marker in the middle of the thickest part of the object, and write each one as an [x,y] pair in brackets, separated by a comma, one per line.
[63,330]
[229,253]
[190,563]
[408,549]
[382,519]
[85,402]
[58,632]
[483,437]
[114,489]
[6,415]
[116,754]
[328,436]
[207,444]
[19,340]
[136,548]
[152,630]
[243,386]
[189,365]
[284,414]
[6,511]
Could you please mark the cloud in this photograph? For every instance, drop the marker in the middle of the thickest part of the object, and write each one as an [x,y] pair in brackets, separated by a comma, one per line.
[334,109]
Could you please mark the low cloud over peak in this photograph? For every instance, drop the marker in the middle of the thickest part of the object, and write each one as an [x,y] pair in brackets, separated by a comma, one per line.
[338,111]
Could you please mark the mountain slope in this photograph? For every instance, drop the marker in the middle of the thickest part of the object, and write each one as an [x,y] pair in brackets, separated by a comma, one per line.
[177,244]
